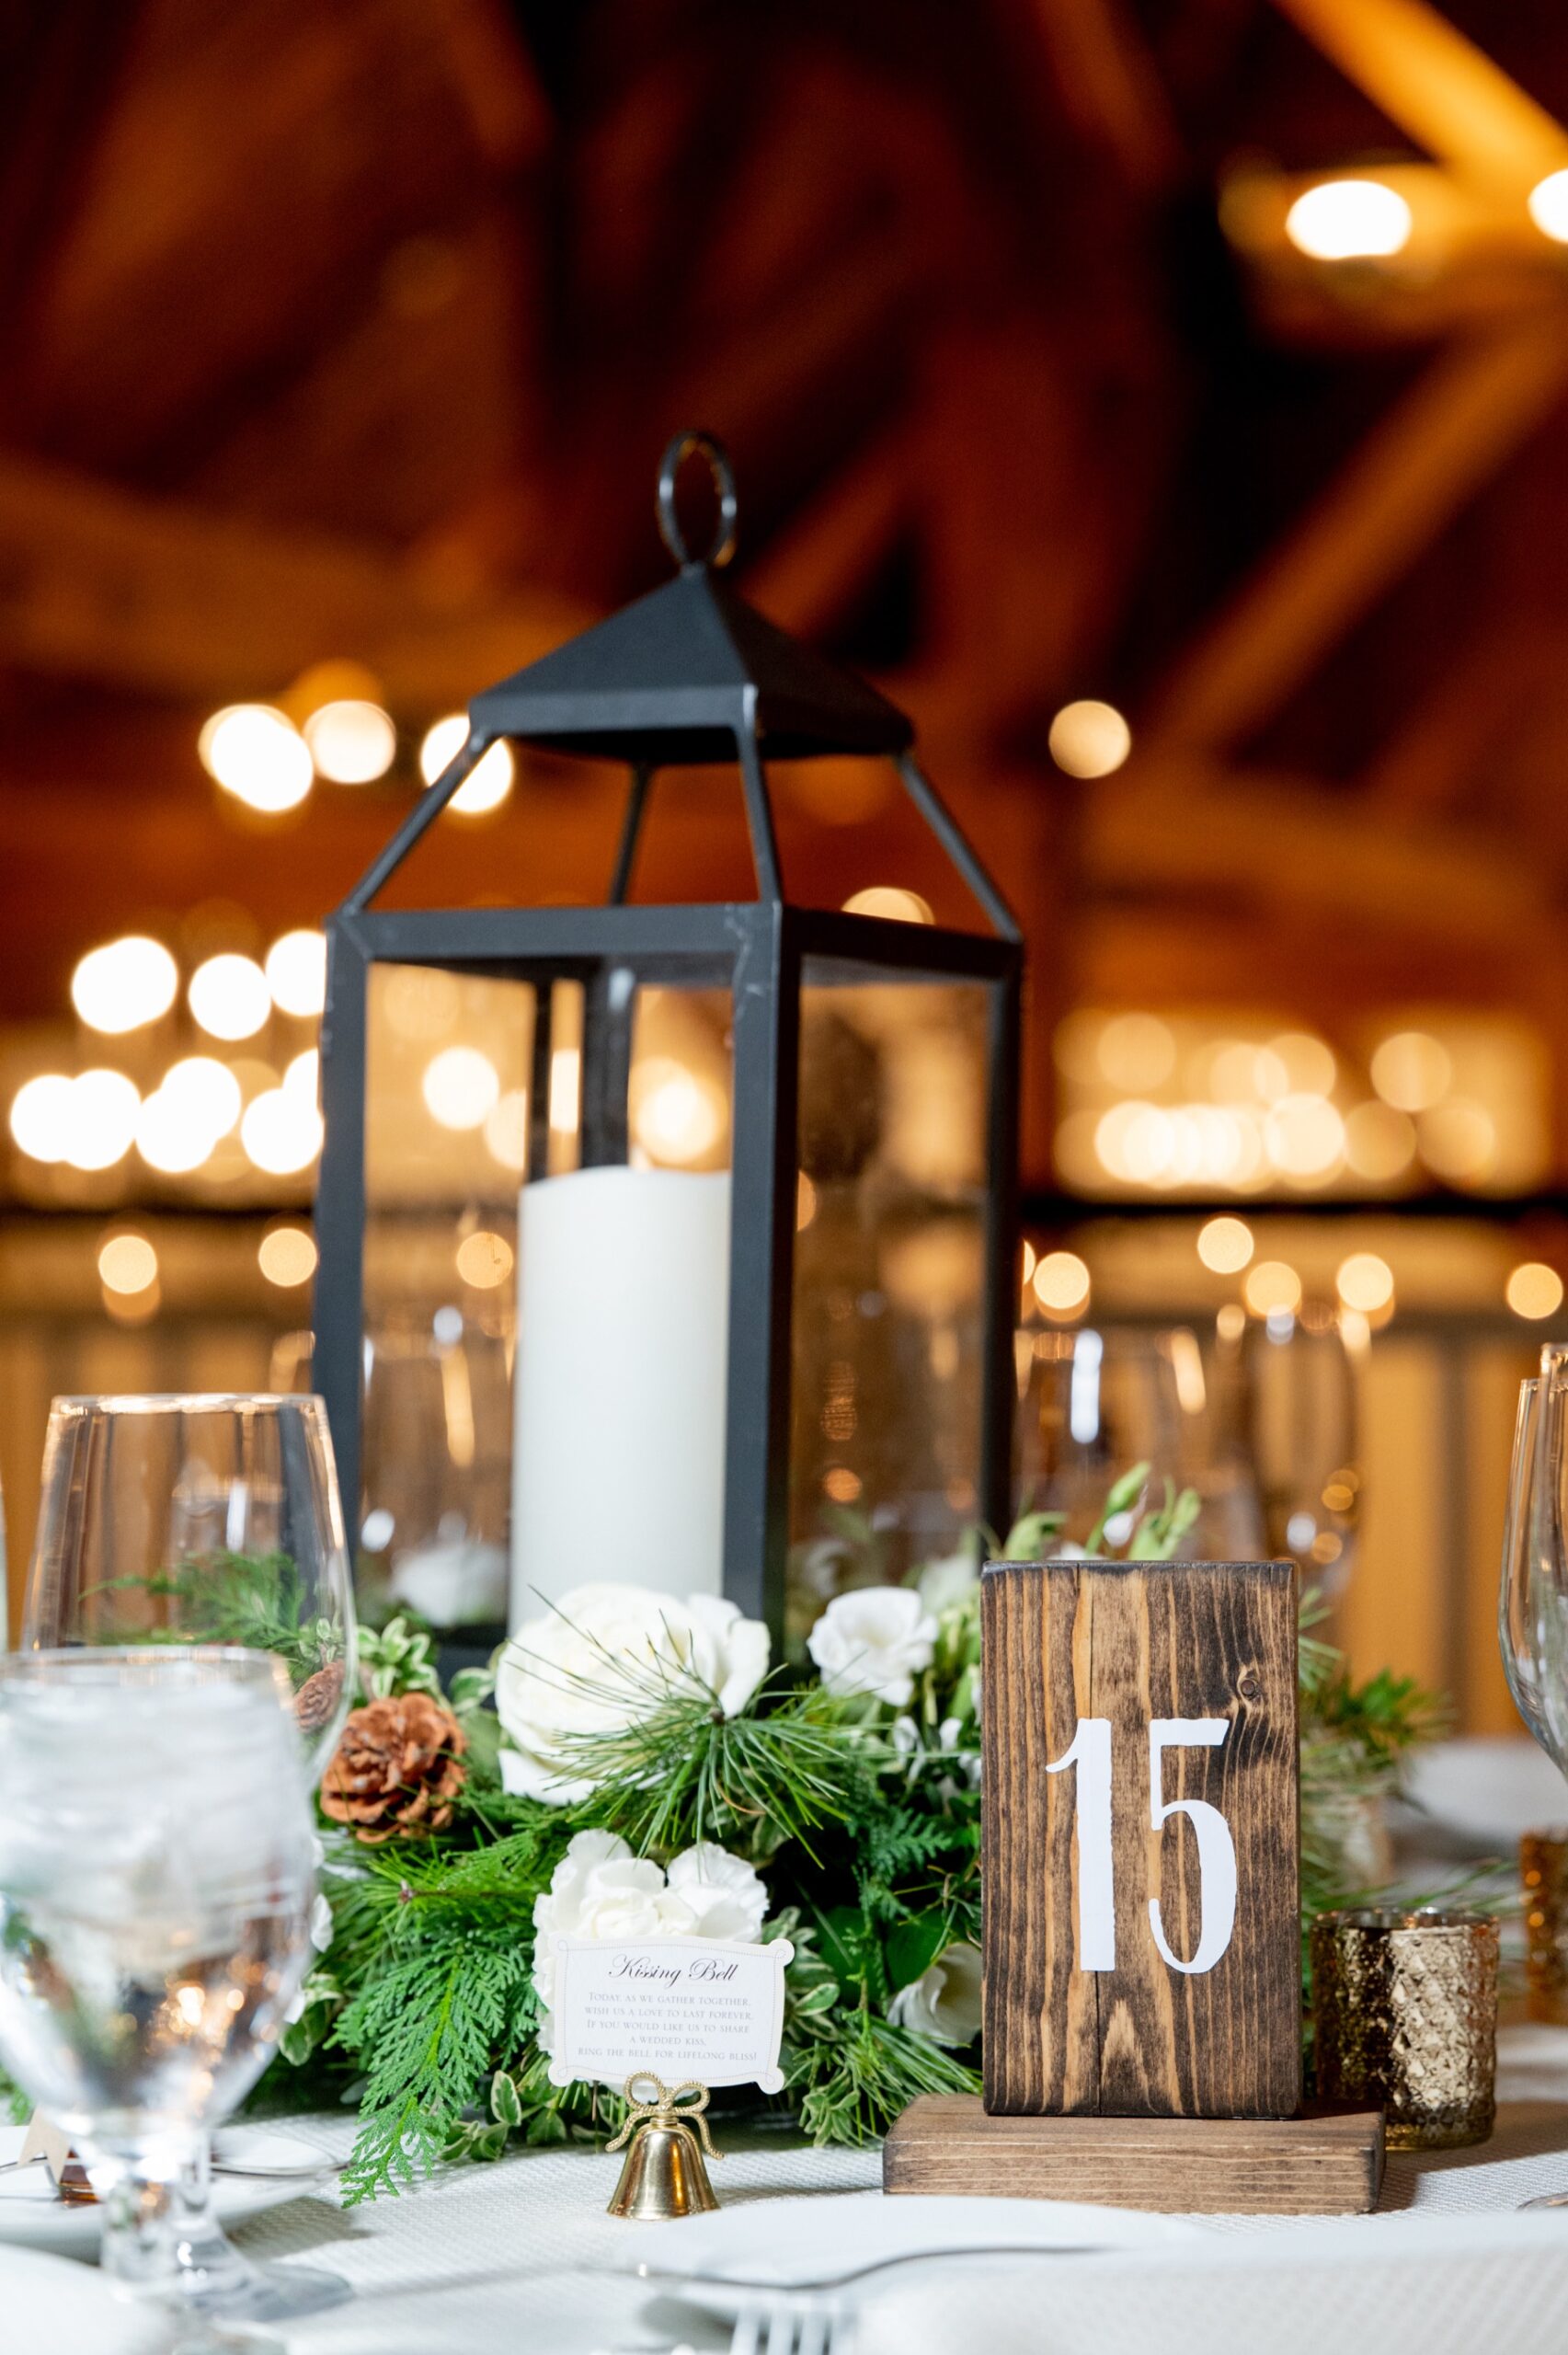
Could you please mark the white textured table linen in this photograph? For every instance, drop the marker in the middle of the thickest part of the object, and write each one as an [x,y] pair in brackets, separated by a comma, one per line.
[57,2306]
[514,2255]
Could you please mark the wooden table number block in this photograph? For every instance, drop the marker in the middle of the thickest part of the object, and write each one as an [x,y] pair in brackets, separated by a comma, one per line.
[1142,1944]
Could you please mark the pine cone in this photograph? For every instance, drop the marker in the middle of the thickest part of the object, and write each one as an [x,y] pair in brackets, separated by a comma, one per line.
[316,1701]
[397,1768]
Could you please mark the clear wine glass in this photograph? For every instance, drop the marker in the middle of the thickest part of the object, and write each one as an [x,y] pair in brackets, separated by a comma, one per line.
[197,1519]
[156,1877]
[1532,1604]
[1300,1410]
[1094,1402]
[1518,1629]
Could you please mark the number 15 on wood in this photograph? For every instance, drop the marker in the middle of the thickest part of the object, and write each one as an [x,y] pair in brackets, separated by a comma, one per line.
[1140,1839]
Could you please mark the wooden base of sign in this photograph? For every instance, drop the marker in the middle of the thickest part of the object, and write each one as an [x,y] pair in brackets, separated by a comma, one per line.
[1326,2161]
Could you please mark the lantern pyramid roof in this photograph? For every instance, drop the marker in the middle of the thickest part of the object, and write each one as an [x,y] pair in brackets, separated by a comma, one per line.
[675,676]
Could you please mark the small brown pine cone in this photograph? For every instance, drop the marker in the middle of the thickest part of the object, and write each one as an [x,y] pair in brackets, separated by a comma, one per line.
[397,1769]
[318,1696]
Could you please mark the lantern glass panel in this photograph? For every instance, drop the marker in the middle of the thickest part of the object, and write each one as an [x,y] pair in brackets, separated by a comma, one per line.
[546,1270]
[889,1276]
[448,1058]
[622,1293]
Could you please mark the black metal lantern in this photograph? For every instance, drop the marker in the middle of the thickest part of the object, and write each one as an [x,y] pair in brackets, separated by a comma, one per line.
[755,1163]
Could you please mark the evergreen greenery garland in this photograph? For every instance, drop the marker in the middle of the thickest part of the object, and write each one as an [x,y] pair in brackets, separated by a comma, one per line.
[863,1821]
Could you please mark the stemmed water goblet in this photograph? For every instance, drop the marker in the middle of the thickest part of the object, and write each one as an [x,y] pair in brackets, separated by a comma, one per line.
[191,1518]
[1532,1602]
[156,1877]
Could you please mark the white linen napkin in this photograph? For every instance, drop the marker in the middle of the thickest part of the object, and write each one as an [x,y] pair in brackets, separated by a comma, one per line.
[1396,2285]
[62,2308]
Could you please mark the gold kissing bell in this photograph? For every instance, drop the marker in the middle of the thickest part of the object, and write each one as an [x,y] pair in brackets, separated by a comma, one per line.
[664,2173]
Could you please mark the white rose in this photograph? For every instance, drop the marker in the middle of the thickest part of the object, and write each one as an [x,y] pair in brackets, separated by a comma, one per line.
[945,2002]
[876,1639]
[605,1657]
[726,1898]
[951,1579]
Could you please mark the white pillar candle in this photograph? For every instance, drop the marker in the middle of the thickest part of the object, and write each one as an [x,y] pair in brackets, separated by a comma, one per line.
[619,1383]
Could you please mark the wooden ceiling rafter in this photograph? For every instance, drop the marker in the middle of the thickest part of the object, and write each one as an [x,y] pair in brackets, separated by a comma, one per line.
[168,599]
[1443,90]
[60,67]
[1428,765]
[1462,419]
[1450,434]
[119,379]
[810,572]
[961,347]
[1107,84]
[1286,843]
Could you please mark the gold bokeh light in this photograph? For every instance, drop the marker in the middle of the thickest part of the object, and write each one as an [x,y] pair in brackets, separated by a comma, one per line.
[1365,1282]
[1534,1291]
[486,785]
[1061,1283]
[1349,219]
[287,1255]
[1225,1245]
[1089,739]
[127,1263]
[1272,1288]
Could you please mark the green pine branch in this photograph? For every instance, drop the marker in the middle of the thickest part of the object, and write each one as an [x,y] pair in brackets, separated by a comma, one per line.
[779,1773]
[426,2029]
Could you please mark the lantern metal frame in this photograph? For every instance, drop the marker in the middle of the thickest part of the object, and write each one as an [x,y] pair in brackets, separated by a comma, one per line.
[688,674]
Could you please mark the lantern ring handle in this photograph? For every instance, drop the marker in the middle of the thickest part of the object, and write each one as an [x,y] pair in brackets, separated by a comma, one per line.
[681,447]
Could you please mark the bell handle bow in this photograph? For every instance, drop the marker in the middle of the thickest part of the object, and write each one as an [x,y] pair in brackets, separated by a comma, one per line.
[670,2108]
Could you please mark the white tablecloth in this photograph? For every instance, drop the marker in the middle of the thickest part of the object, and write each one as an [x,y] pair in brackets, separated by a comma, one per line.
[514,2256]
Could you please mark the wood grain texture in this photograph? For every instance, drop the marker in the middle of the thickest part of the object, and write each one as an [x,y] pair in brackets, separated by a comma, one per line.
[1327,2161]
[1066,1641]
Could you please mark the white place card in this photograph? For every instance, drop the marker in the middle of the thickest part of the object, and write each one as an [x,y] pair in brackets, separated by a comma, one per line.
[702,2008]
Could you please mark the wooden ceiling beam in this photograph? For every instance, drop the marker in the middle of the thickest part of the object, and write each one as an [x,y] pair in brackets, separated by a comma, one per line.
[1106,84]
[1299,965]
[1428,764]
[806,573]
[1464,418]
[60,66]
[1449,97]
[102,584]
[1278,844]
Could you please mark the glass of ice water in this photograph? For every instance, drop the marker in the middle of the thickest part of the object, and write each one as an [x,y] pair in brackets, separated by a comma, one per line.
[156,1876]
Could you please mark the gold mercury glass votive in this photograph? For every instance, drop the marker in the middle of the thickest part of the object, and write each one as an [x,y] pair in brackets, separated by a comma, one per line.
[1406,2012]
[1543,1870]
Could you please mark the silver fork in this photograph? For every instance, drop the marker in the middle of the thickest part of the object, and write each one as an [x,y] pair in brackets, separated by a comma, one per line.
[789,2326]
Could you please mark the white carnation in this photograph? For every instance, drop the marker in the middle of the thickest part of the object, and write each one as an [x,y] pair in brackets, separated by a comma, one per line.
[943,2002]
[876,1639]
[600,1890]
[605,1657]
[950,1735]
[949,1580]
[726,1898]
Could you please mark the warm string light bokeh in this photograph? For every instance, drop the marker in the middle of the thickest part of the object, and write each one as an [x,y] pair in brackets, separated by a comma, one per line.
[98,1118]
[1157,1104]
[270,755]
[1355,1291]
